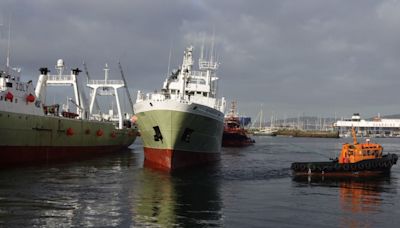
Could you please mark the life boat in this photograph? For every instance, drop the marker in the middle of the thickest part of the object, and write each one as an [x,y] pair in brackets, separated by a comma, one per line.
[354,159]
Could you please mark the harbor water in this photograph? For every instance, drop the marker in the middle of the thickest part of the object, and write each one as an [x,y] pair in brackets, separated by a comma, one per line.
[249,187]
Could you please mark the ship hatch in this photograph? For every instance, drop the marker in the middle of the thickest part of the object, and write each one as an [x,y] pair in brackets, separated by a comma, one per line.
[187,134]
[158,136]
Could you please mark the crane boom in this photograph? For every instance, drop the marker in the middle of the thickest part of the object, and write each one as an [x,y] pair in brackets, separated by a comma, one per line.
[88,78]
[126,87]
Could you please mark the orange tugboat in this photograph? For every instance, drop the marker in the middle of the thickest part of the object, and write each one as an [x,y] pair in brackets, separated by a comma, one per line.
[354,159]
[234,134]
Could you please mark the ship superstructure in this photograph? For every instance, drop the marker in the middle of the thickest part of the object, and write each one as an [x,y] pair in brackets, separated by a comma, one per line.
[182,124]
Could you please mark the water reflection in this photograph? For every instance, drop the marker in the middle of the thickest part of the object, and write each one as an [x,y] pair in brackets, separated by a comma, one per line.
[359,197]
[86,193]
[188,198]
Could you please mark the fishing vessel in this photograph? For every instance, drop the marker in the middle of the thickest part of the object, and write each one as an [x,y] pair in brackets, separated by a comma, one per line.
[32,130]
[354,159]
[234,134]
[182,125]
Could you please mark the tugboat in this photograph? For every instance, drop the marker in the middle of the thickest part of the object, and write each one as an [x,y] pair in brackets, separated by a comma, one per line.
[354,159]
[234,134]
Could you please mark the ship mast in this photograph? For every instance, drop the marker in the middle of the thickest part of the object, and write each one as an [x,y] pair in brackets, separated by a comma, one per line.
[8,44]
[186,69]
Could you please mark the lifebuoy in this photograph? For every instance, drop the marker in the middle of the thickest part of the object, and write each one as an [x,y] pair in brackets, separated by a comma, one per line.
[353,167]
[87,131]
[302,167]
[368,165]
[113,134]
[99,132]
[346,167]
[380,164]
[360,166]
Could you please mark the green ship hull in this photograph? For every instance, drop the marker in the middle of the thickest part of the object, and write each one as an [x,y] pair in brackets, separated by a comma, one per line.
[31,138]
[174,139]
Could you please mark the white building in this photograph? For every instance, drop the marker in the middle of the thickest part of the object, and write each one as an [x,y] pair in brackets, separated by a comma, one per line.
[377,127]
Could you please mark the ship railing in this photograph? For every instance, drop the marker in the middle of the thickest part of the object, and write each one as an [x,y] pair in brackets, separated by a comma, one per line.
[156,96]
[200,74]
[106,82]
[59,78]
[204,64]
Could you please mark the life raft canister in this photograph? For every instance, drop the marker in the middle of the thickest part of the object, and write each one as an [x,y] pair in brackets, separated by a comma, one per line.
[99,132]
[30,98]
[70,131]
[9,96]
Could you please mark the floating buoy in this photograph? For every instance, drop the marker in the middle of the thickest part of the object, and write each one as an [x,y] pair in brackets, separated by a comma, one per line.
[9,96]
[30,98]
[113,134]
[99,132]
[70,131]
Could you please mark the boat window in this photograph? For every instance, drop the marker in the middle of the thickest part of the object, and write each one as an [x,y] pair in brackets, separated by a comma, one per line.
[9,84]
[1,98]
[16,100]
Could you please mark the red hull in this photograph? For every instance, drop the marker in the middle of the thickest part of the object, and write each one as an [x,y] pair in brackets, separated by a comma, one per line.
[168,159]
[227,143]
[14,155]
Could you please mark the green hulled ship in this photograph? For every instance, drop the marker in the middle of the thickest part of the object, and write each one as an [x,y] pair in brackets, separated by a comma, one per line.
[32,131]
[182,125]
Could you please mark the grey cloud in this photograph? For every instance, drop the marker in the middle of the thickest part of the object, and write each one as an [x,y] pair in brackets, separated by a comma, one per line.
[308,56]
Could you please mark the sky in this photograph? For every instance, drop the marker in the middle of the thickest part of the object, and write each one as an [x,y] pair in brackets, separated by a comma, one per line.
[286,57]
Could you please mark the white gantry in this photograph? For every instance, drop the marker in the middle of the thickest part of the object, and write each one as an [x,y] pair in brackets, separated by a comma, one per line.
[107,88]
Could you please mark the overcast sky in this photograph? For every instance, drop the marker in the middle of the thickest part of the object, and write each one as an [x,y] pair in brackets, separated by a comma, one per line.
[292,57]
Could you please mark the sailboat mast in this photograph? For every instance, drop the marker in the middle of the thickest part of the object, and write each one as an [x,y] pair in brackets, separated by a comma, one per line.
[8,44]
